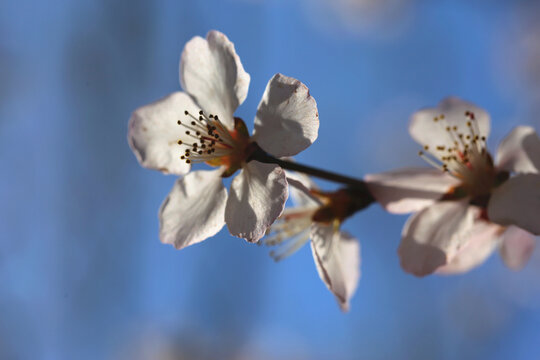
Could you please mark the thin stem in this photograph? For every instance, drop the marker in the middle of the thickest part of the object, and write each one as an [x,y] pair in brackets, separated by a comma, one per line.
[261,156]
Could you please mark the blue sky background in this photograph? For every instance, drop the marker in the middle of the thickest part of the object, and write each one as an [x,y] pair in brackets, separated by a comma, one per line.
[82,272]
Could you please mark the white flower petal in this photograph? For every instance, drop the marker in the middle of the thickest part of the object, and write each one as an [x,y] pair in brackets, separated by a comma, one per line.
[287,120]
[425,131]
[517,202]
[153,133]
[433,236]
[517,247]
[211,72]
[257,197]
[194,209]
[409,190]
[520,151]
[484,238]
[337,257]
[300,184]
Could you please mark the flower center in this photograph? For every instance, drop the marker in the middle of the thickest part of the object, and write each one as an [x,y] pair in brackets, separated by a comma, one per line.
[463,155]
[207,139]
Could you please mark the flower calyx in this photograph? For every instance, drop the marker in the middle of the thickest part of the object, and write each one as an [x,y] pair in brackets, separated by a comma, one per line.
[340,204]
[481,197]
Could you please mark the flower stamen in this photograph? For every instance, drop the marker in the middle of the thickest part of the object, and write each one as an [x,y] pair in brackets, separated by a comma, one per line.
[290,232]
[464,156]
[431,161]
[212,139]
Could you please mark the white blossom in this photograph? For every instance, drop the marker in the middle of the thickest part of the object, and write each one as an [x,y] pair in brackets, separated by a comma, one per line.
[469,205]
[199,126]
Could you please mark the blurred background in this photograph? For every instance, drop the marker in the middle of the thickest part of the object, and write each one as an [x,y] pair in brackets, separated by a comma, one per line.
[83,274]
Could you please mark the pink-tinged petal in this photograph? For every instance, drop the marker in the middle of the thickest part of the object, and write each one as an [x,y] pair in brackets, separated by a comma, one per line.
[257,198]
[484,238]
[517,247]
[409,190]
[427,132]
[520,151]
[211,72]
[517,202]
[153,133]
[194,209]
[287,120]
[433,236]
[337,257]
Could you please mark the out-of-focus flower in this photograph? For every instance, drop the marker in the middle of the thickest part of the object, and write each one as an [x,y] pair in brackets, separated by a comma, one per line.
[198,126]
[318,215]
[468,206]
